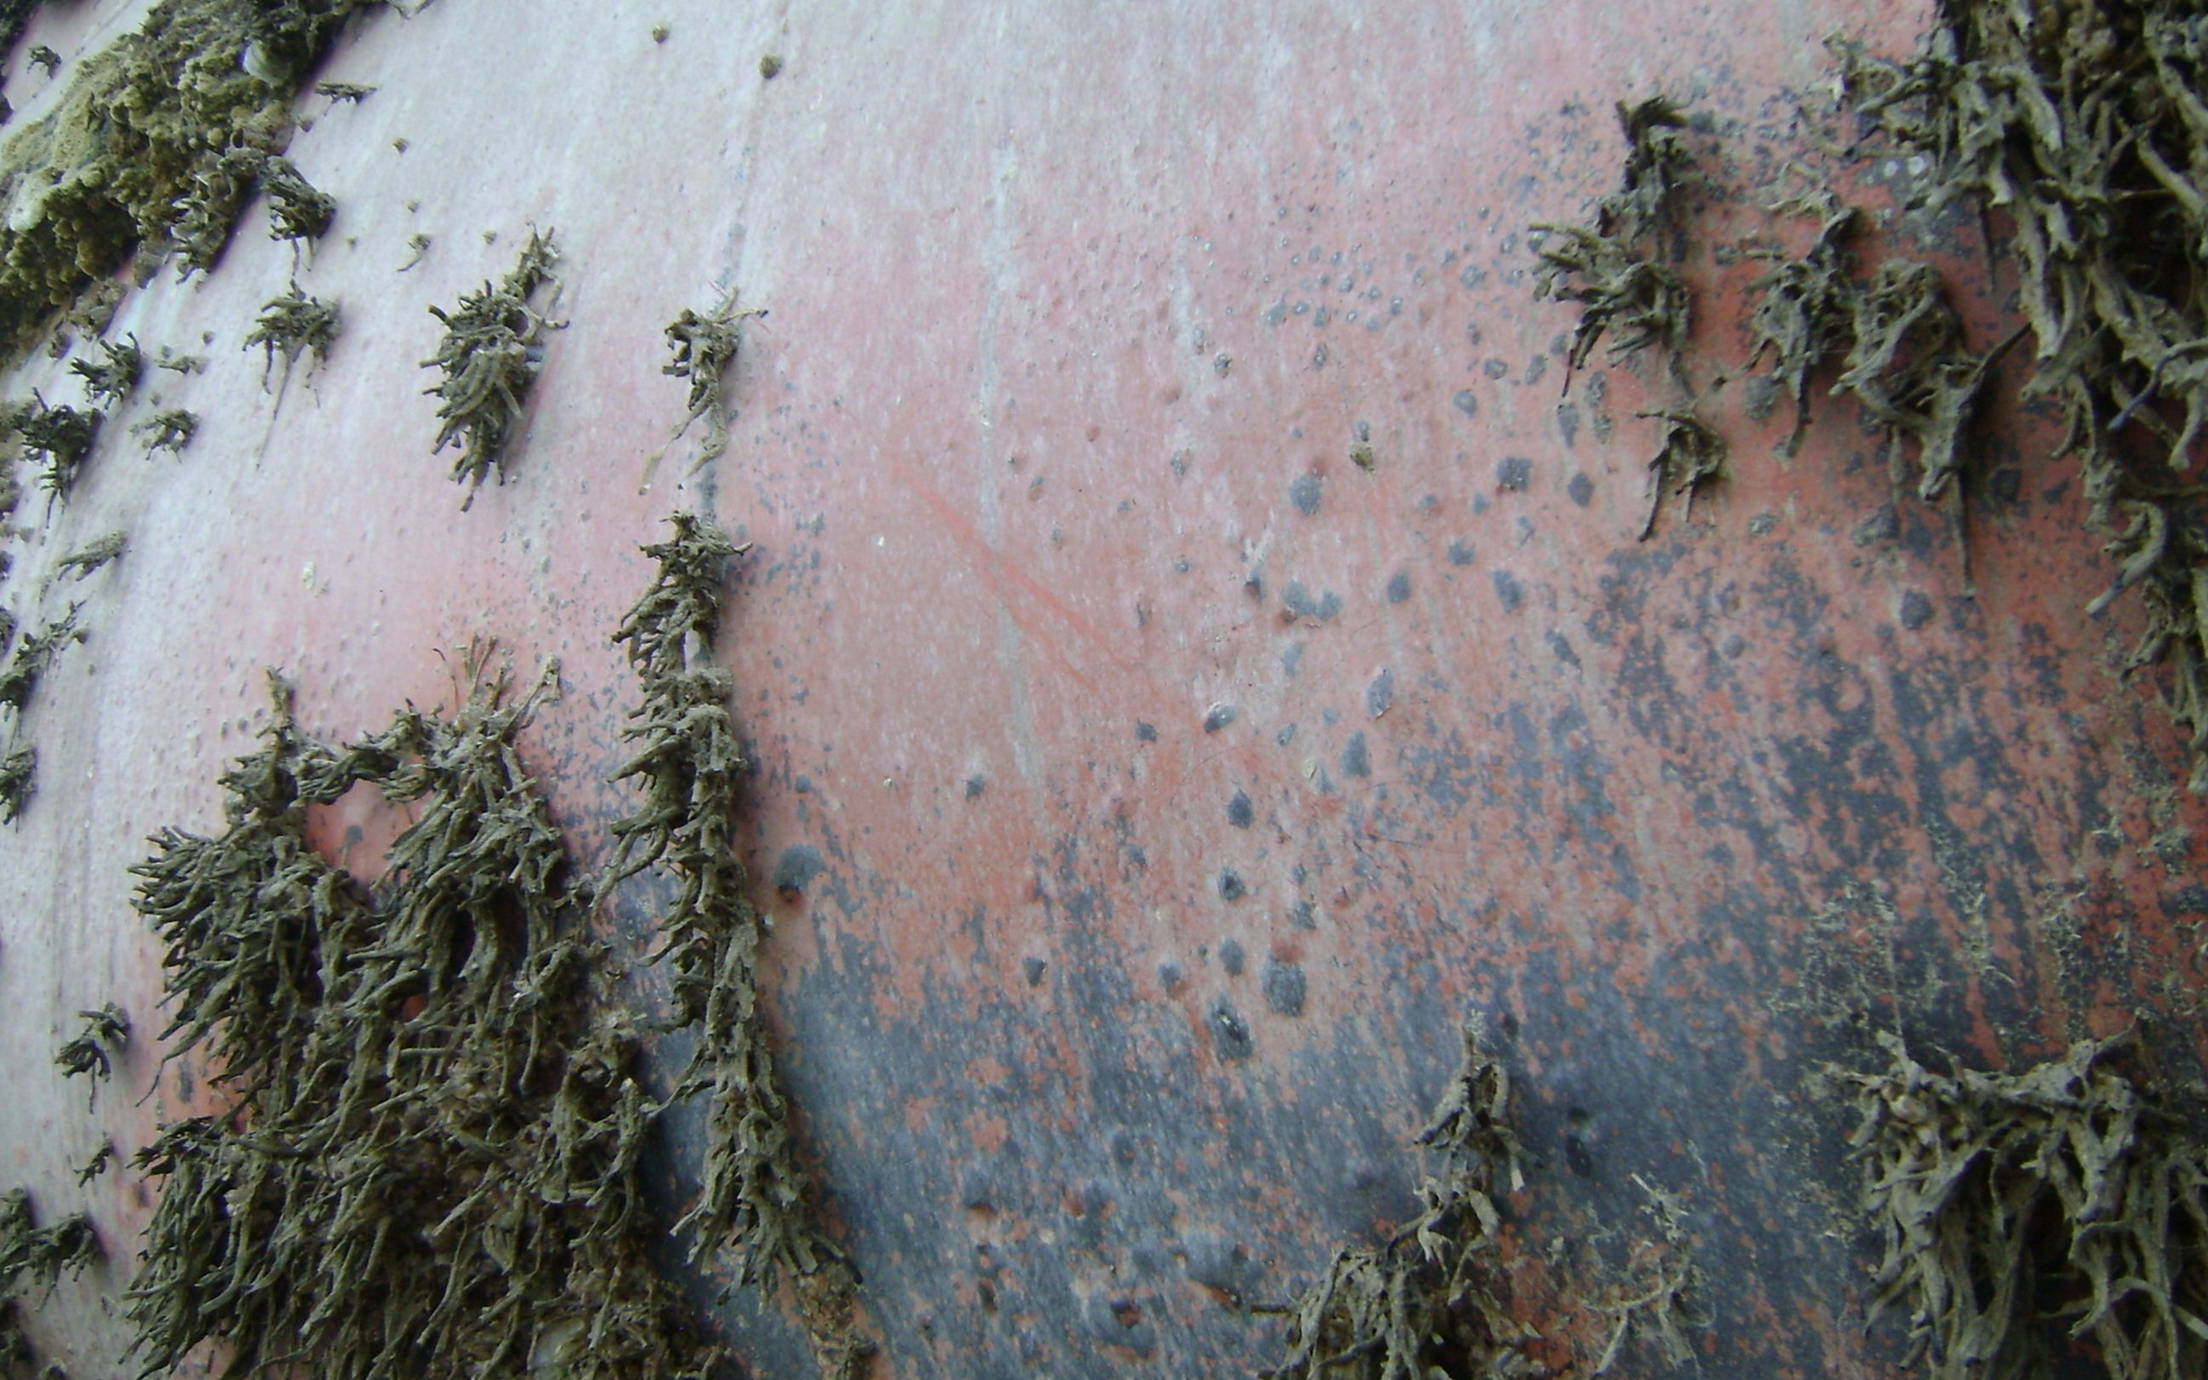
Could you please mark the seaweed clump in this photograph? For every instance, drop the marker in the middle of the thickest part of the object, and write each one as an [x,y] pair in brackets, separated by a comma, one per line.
[94,1050]
[170,431]
[490,356]
[27,1249]
[291,324]
[2009,1204]
[60,435]
[17,767]
[1424,1301]
[430,1164]
[689,764]
[296,209]
[110,378]
[704,346]
[94,554]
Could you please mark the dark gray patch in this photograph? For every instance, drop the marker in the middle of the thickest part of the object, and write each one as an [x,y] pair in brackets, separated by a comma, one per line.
[1284,987]
[1230,1033]
[1218,717]
[802,785]
[1513,473]
[1305,491]
[1231,887]
[1399,586]
[1380,694]
[1459,553]
[1034,970]
[1581,490]
[1916,610]
[1567,423]
[1479,505]
[1239,812]
[795,868]
[1882,525]
[1356,757]
[975,785]
[1291,660]
[1169,976]
[1303,915]
[1466,403]
[1562,646]
[1577,1157]
[1146,732]
[1286,735]
[1759,396]
[1509,591]
[1495,368]
[1232,958]
[1299,603]
[1536,368]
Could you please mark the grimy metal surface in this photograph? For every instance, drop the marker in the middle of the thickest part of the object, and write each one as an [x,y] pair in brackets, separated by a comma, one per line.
[1145,789]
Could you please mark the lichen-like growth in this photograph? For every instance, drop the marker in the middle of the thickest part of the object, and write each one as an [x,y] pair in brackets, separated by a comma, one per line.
[1425,1300]
[60,435]
[165,125]
[292,323]
[431,1165]
[705,344]
[93,555]
[94,1050]
[296,210]
[2009,1204]
[109,380]
[689,764]
[33,655]
[1691,455]
[17,767]
[490,356]
[29,1250]
[170,431]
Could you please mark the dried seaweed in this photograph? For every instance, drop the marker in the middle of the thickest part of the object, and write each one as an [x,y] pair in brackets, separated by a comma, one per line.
[296,210]
[490,356]
[29,1250]
[98,1164]
[292,323]
[431,1165]
[2084,121]
[17,767]
[208,206]
[33,655]
[1805,314]
[94,1050]
[110,378]
[2009,1204]
[1424,1301]
[171,430]
[93,555]
[60,435]
[689,764]
[1661,1304]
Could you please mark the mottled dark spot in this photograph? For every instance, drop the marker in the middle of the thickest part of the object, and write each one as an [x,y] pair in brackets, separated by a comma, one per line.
[1286,735]
[1239,812]
[1513,473]
[1284,987]
[1759,396]
[1882,525]
[795,868]
[1509,591]
[1146,732]
[1581,489]
[975,785]
[1399,586]
[1169,976]
[1034,969]
[1562,646]
[1305,491]
[1495,368]
[1567,422]
[1233,958]
[1536,368]
[1916,610]
[1576,1156]
[1230,885]
[1380,694]
[979,1192]
[1218,717]
[1230,1033]
[1459,553]
[1299,603]
[802,785]
[1303,915]
[1466,403]
[1356,758]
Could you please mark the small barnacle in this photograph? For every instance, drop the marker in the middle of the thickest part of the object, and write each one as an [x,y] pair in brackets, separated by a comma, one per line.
[110,380]
[292,323]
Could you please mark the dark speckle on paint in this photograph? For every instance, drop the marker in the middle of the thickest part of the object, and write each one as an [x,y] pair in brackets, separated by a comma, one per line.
[1230,1033]
[1218,717]
[1233,958]
[1146,732]
[802,785]
[1356,757]
[1495,368]
[1303,915]
[1399,586]
[1239,813]
[1577,1158]
[1304,492]
[1380,694]
[1509,591]
[1513,473]
[795,868]
[1567,422]
[1581,489]
[1299,603]
[1230,885]
[1916,610]
[1286,735]
[1459,553]
[1562,646]
[975,785]
[1284,987]
[1034,969]
[1169,976]
[1466,403]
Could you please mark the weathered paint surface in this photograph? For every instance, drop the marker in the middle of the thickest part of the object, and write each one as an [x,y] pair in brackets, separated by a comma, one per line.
[1145,790]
